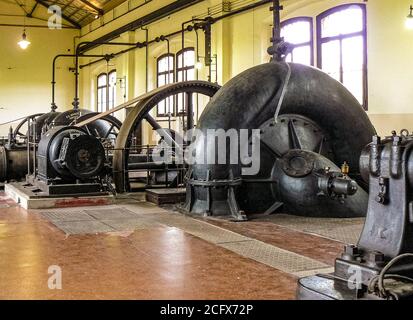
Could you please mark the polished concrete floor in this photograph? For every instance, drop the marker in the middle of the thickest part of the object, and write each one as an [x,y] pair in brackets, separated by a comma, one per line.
[161,262]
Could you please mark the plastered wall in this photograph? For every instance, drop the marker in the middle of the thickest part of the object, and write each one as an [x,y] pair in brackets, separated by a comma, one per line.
[25,75]
[239,42]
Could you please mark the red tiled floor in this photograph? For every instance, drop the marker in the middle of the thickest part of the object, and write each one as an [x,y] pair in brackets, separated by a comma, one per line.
[159,263]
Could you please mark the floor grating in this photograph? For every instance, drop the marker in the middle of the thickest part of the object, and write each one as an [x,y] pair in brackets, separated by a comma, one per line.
[273,256]
[92,221]
[343,230]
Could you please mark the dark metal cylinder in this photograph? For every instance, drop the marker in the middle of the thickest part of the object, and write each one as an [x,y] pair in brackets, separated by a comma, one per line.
[13,163]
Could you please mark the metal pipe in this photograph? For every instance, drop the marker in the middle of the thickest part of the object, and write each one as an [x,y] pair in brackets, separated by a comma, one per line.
[139,46]
[53,104]
[243,9]
[163,12]
[238,11]
[77,55]
[276,29]
[33,26]
[183,29]
[190,111]
[146,58]
[169,68]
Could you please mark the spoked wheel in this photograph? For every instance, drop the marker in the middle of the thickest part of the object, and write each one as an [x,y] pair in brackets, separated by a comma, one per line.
[141,112]
[17,131]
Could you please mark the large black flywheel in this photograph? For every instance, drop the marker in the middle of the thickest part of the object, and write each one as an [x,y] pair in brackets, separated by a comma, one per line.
[140,112]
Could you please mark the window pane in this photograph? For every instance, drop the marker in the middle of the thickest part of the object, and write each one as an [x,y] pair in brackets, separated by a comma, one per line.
[297,32]
[102,80]
[353,81]
[179,76]
[99,100]
[114,97]
[161,107]
[110,96]
[346,21]
[189,58]
[330,52]
[170,104]
[180,106]
[170,66]
[104,100]
[302,55]
[163,64]
[112,78]
[190,75]
[166,67]
[353,53]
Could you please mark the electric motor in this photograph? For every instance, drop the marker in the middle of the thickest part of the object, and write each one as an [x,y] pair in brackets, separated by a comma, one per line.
[68,154]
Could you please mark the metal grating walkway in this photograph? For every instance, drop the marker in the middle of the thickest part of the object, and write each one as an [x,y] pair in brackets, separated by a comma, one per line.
[344,230]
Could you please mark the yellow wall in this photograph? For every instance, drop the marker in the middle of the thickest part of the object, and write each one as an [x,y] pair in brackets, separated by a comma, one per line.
[25,75]
[239,42]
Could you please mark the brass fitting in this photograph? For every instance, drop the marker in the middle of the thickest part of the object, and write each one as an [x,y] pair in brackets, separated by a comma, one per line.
[345,169]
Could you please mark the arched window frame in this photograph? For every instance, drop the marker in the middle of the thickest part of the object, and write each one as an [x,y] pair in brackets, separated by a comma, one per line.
[184,69]
[166,75]
[101,104]
[105,104]
[309,43]
[321,40]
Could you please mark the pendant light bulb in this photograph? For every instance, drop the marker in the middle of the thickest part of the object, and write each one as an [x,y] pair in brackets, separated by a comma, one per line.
[24,43]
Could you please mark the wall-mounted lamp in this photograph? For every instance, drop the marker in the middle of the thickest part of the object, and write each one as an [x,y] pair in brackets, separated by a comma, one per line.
[24,43]
[409,19]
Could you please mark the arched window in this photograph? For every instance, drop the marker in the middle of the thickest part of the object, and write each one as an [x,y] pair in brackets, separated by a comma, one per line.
[299,32]
[102,84]
[342,47]
[185,71]
[106,91]
[165,75]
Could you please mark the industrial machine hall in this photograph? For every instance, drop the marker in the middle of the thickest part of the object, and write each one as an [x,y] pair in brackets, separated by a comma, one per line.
[187,151]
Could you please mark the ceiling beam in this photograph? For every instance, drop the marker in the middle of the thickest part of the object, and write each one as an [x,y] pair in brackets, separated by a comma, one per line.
[30,14]
[74,23]
[31,26]
[91,5]
[140,22]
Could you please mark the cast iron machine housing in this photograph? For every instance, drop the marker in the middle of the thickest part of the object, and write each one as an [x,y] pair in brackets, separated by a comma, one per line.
[13,152]
[18,153]
[310,125]
[382,261]
[69,162]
